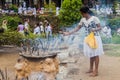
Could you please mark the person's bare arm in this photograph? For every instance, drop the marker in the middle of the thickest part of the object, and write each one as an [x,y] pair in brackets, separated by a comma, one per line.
[75,30]
[17,28]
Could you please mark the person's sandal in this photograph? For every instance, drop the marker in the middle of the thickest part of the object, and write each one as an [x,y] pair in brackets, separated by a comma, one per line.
[90,71]
[93,74]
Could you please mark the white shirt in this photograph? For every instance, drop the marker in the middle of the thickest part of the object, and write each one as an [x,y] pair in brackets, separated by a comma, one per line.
[104,29]
[26,25]
[109,32]
[37,30]
[24,4]
[57,10]
[49,28]
[20,10]
[89,24]
[25,12]
[34,11]
[42,28]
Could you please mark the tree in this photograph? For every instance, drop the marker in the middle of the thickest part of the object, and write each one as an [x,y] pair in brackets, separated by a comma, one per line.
[69,12]
[13,1]
[38,3]
[31,3]
[2,3]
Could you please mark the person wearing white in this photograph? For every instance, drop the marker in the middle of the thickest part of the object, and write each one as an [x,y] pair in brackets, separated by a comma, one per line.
[107,32]
[118,31]
[57,11]
[20,10]
[42,11]
[24,4]
[111,11]
[48,30]
[37,29]
[91,24]
[26,24]
[97,8]
[25,11]
[34,11]
[108,11]
[109,35]
[41,27]
[104,31]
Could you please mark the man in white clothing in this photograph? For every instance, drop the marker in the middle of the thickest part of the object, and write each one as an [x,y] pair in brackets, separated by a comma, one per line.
[41,27]
[37,29]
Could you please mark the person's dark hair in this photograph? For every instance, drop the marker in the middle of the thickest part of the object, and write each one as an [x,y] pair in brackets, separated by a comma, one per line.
[47,24]
[86,10]
[19,23]
[37,24]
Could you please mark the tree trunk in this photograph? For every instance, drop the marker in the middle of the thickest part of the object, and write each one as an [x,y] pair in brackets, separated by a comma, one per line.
[18,2]
[3,3]
[31,3]
[0,4]
[38,3]
[13,1]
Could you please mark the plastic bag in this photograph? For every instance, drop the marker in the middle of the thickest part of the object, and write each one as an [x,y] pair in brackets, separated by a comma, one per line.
[91,41]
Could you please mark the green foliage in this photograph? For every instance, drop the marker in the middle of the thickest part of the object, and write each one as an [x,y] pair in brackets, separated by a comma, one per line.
[116,39]
[12,21]
[112,49]
[10,38]
[115,6]
[106,40]
[114,24]
[50,9]
[14,7]
[33,36]
[50,6]
[69,12]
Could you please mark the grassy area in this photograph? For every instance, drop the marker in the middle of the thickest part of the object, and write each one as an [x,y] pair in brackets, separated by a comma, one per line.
[112,49]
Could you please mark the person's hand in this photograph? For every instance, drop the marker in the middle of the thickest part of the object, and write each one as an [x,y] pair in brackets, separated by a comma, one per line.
[66,33]
[92,30]
[61,32]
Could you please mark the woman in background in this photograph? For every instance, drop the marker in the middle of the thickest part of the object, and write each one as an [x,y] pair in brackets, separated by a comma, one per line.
[20,28]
